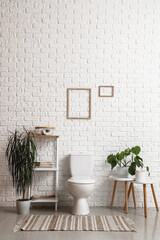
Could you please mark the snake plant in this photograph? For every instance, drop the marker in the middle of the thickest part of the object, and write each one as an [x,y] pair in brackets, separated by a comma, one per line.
[21,153]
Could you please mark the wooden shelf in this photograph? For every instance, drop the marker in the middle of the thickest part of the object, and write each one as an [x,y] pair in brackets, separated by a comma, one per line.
[43,136]
[43,200]
[44,127]
[45,169]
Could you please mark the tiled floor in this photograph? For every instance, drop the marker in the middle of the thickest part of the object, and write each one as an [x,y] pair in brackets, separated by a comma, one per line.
[148,229]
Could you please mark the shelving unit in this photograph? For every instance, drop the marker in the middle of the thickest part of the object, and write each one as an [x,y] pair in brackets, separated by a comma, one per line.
[54,169]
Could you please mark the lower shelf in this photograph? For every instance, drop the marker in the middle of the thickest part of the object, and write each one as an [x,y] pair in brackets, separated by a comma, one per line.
[44,200]
[45,169]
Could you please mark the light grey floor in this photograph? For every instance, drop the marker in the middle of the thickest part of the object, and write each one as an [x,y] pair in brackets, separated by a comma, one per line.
[148,229]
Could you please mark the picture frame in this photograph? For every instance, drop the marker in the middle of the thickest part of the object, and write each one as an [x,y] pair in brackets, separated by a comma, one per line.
[101,95]
[68,103]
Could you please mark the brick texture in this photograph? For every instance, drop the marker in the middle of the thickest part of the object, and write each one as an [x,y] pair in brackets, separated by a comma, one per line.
[48,46]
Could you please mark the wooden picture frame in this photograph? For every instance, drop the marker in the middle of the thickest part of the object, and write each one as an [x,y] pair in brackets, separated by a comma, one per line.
[112,91]
[89,101]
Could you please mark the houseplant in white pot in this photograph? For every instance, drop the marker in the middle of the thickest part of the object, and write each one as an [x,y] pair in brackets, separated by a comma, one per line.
[126,161]
[20,153]
[137,166]
[120,160]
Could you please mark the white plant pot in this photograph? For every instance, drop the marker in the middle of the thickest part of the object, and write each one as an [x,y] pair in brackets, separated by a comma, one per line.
[23,207]
[122,172]
[140,176]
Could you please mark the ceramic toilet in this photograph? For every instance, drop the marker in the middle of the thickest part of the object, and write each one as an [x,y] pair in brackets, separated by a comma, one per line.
[80,185]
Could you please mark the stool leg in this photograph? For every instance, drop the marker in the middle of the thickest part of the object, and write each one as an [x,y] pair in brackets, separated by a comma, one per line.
[133,193]
[129,191]
[154,196]
[113,194]
[145,200]
[126,196]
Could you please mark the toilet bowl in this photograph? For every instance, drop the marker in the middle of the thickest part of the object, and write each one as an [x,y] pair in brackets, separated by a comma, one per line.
[80,186]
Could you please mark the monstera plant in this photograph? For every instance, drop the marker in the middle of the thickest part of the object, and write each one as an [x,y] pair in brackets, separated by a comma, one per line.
[128,158]
[20,153]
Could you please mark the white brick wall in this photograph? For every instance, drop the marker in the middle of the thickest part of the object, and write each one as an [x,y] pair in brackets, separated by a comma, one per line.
[48,46]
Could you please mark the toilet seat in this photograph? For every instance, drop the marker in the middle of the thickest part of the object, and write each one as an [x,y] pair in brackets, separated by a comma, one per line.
[81,180]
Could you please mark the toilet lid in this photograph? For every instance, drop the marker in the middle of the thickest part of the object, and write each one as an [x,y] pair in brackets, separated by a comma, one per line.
[81,180]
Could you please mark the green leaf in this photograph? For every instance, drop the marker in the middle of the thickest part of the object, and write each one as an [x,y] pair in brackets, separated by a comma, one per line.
[111,159]
[117,155]
[127,152]
[114,163]
[136,150]
[138,161]
[121,156]
[132,168]
[147,168]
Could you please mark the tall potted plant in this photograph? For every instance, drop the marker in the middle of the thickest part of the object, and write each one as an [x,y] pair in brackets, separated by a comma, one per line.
[20,153]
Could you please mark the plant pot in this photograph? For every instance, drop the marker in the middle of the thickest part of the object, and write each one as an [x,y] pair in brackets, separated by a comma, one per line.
[122,172]
[23,207]
[140,176]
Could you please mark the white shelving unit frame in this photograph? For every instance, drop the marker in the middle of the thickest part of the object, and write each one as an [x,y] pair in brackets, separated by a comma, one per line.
[54,169]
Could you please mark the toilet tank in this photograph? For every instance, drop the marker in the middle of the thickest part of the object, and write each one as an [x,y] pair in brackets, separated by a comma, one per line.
[81,164]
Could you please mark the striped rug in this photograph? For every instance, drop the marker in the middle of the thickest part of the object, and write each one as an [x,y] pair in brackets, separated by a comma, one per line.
[75,223]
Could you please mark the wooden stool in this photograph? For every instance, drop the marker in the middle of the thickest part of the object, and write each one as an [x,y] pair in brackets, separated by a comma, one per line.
[145,195]
[128,191]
